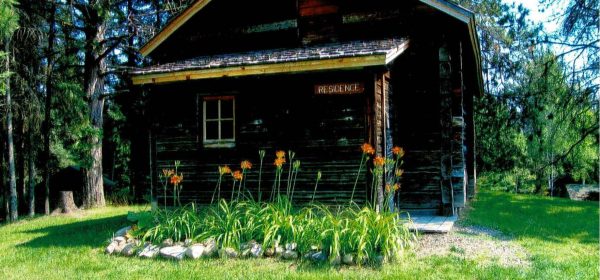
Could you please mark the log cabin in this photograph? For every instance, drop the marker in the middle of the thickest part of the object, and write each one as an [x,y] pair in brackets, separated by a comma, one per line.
[320,78]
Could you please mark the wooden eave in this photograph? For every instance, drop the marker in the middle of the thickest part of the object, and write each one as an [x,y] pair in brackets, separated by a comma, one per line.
[468,18]
[172,26]
[344,63]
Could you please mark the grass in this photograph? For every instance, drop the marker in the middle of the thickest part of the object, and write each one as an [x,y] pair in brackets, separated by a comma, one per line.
[561,236]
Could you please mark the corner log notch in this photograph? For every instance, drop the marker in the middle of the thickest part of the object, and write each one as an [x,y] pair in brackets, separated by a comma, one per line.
[380,132]
[452,119]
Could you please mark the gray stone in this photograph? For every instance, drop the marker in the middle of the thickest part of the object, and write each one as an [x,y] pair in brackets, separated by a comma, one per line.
[173,252]
[336,261]
[256,251]
[111,247]
[195,251]
[167,242]
[149,251]
[289,255]
[251,249]
[228,253]
[291,246]
[188,242]
[120,243]
[269,252]
[279,251]
[348,259]
[210,248]
[120,240]
[123,231]
[379,260]
[129,249]
[318,257]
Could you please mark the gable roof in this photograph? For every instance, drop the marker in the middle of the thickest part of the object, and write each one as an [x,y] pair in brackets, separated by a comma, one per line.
[347,55]
[453,10]
[172,26]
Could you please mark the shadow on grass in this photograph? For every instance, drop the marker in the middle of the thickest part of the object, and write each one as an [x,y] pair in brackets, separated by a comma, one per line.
[87,233]
[548,219]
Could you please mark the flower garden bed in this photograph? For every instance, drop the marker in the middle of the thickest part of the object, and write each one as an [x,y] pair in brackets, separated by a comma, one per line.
[246,229]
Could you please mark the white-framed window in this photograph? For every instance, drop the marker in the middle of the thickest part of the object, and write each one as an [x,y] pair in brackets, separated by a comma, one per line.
[219,122]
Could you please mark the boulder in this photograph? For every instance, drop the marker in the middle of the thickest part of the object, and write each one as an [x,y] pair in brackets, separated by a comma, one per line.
[167,243]
[129,249]
[228,253]
[336,261]
[210,248]
[149,251]
[173,252]
[279,251]
[123,231]
[269,252]
[111,247]
[289,255]
[195,251]
[291,246]
[121,240]
[348,259]
[318,257]
[251,249]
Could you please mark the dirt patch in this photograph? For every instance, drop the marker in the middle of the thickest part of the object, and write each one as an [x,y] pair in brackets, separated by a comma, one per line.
[474,242]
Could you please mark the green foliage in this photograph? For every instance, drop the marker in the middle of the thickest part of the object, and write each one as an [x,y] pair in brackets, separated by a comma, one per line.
[9,19]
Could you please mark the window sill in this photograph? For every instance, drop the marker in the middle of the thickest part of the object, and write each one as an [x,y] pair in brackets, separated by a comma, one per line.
[219,144]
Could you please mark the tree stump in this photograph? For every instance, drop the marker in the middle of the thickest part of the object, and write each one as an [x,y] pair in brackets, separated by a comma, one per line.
[66,204]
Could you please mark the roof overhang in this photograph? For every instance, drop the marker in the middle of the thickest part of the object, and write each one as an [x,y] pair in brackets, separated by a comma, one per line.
[316,58]
[467,17]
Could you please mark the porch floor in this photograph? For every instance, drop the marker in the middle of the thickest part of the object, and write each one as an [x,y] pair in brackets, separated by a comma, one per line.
[432,223]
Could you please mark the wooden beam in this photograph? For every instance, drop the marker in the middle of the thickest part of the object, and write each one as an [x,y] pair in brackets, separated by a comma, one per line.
[172,26]
[262,69]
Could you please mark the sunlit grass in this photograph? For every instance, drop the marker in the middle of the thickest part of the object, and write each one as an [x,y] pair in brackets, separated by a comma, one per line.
[562,245]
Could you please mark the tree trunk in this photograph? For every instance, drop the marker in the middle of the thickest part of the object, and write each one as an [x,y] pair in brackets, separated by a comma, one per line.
[20,154]
[48,106]
[94,69]
[66,204]
[3,176]
[12,185]
[31,173]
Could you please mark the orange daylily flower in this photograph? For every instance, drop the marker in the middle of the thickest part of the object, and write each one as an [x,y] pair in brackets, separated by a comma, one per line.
[280,154]
[237,175]
[396,186]
[279,162]
[224,170]
[398,151]
[367,149]
[176,179]
[378,161]
[246,165]
[388,188]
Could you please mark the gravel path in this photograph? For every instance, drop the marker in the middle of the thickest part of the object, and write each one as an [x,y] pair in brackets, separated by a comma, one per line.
[474,242]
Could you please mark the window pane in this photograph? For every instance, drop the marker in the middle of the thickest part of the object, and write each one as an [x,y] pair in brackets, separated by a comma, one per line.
[226,129]
[226,109]
[212,107]
[212,130]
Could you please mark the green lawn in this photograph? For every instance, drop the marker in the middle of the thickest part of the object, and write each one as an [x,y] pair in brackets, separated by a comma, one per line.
[561,237]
